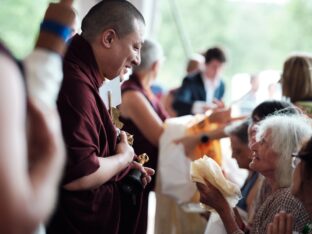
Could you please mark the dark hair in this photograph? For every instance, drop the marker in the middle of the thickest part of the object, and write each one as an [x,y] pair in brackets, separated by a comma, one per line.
[215,53]
[116,14]
[305,154]
[297,78]
[239,130]
[268,108]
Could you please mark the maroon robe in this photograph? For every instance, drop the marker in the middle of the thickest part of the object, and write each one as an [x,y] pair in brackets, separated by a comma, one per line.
[88,134]
[142,144]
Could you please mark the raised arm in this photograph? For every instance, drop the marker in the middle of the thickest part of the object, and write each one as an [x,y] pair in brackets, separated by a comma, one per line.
[212,197]
[28,191]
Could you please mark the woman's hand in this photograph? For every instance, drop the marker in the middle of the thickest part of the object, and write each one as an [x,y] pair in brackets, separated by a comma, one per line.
[211,196]
[282,224]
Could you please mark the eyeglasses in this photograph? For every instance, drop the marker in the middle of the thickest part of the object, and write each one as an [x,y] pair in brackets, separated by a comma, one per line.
[295,160]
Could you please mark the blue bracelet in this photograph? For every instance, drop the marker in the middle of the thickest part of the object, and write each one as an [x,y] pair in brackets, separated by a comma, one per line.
[60,30]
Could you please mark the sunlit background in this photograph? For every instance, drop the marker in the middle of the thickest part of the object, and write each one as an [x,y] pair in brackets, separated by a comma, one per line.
[257,34]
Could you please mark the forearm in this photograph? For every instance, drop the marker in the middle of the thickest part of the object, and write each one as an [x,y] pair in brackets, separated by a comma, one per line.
[109,167]
[216,134]
[43,67]
[45,178]
[44,75]
[228,218]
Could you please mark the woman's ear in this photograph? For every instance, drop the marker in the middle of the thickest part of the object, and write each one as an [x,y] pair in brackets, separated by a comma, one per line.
[108,37]
[155,67]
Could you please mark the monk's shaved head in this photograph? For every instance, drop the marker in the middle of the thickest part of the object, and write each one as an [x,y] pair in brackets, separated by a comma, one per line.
[110,14]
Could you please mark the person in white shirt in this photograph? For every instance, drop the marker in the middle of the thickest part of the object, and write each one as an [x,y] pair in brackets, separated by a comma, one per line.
[203,90]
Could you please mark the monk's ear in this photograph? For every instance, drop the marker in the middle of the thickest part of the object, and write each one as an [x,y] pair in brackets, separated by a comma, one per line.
[108,37]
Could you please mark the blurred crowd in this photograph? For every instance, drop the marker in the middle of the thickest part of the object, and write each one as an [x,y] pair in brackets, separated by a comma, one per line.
[78,160]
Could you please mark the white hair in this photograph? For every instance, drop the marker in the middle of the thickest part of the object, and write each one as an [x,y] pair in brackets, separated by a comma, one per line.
[151,52]
[288,133]
[197,57]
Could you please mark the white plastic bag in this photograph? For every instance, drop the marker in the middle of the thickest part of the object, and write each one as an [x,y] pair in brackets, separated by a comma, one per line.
[173,165]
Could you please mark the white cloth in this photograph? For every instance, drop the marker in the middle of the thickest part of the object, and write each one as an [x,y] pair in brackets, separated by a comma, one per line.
[44,75]
[215,225]
[112,87]
[173,165]
[40,230]
[207,169]
[200,107]
[210,87]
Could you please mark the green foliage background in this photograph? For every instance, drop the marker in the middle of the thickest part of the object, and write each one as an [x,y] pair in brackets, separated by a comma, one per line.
[19,23]
[256,36]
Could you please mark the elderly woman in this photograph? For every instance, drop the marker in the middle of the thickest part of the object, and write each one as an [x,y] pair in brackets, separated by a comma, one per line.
[263,110]
[143,116]
[301,188]
[142,113]
[277,138]
[238,134]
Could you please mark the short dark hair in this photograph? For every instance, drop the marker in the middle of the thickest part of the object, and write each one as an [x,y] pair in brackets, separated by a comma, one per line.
[268,108]
[215,53]
[239,130]
[116,14]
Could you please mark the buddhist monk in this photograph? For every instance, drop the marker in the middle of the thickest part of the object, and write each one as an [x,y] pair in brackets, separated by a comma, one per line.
[91,201]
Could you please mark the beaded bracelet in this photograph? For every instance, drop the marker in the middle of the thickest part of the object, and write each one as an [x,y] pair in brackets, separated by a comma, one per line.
[60,30]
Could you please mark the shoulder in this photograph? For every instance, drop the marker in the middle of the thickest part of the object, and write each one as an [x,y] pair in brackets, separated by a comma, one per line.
[77,94]
[286,200]
[11,76]
[129,85]
[133,98]
[8,65]
[12,92]
[134,103]
[193,77]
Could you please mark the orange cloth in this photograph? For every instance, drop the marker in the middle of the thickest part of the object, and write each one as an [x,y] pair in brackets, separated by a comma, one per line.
[212,148]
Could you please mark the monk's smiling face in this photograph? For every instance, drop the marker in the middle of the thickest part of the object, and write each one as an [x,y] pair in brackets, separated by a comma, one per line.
[125,52]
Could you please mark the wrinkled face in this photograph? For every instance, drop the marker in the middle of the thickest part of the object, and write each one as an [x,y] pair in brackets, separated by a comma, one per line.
[126,52]
[213,69]
[240,152]
[264,159]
